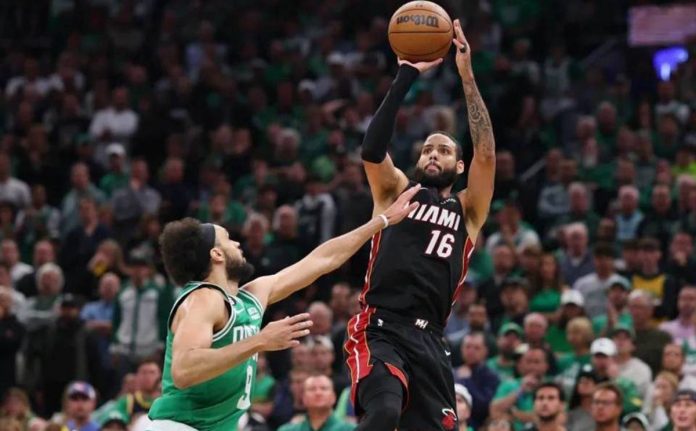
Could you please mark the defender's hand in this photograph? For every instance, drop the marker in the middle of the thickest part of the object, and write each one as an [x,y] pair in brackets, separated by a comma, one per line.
[402,206]
[463,57]
[422,66]
[283,334]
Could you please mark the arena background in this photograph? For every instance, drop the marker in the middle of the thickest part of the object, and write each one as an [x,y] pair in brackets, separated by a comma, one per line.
[119,116]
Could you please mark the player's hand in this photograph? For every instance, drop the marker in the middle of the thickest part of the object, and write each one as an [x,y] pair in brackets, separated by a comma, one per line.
[463,57]
[422,66]
[283,334]
[402,206]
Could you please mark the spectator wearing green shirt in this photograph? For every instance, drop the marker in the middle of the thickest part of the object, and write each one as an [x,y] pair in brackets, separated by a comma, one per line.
[546,294]
[572,304]
[604,353]
[580,337]
[131,406]
[515,398]
[617,308]
[509,339]
[318,398]
[116,176]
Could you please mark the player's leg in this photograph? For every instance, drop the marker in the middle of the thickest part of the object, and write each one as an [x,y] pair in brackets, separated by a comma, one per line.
[432,403]
[380,396]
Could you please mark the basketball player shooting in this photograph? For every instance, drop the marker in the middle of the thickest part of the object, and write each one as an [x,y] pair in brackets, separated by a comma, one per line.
[395,350]
[213,334]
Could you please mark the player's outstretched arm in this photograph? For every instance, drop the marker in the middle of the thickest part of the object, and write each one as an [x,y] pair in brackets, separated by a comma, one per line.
[386,180]
[330,255]
[193,359]
[477,197]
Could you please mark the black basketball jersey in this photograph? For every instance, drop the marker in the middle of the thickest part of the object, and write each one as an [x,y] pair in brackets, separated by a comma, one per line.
[417,266]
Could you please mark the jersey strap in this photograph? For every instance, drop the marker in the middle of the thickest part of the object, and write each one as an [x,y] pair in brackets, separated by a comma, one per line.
[229,303]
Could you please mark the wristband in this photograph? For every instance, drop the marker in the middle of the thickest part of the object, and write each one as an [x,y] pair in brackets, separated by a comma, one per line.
[385,220]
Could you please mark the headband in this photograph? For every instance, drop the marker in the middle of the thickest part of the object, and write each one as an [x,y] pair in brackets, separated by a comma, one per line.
[207,238]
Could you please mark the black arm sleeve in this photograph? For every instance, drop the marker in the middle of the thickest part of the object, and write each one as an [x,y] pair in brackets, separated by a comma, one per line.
[379,132]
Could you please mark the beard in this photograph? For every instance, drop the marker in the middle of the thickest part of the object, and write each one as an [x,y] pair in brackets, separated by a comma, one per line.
[238,270]
[548,418]
[442,179]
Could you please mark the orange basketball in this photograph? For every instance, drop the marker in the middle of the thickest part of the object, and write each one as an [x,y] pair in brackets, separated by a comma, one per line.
[420,31]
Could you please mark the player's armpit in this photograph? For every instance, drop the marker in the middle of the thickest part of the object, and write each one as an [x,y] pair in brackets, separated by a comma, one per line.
[476,199]
[386,183]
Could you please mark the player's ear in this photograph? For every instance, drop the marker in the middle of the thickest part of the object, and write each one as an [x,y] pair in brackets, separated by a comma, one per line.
[460,167]
[216,254]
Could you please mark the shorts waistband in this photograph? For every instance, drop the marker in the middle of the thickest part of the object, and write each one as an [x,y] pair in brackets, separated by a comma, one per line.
[415,322]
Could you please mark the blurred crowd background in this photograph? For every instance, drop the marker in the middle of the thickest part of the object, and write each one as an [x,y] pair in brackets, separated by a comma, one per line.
[118,116]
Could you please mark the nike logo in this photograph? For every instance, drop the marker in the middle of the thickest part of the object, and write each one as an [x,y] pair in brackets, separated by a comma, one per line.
[447,353]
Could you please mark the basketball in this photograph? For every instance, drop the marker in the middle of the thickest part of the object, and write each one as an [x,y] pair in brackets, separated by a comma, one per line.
[420,31]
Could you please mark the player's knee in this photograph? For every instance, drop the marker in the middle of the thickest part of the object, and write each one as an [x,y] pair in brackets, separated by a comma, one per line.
[383,411]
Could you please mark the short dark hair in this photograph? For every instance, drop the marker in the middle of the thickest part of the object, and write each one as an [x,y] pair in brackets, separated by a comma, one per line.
[649,244]
[180,242]
[603,249]
[553,385]
[457,146]
[609,386]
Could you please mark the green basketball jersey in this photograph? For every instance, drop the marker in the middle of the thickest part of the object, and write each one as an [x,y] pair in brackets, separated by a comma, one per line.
[218,403]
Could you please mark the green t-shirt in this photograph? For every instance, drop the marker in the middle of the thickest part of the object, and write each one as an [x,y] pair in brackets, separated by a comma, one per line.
[545,301]
[599,323]
[112,182]
[556,337]
[216,404]
[525,400]
[331,424]
[569,365]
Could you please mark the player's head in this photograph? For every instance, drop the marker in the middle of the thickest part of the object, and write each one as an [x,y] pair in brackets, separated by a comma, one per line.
[440,161]
[192,250]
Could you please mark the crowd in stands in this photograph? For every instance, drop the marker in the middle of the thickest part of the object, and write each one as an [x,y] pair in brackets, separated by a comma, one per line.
[116,117]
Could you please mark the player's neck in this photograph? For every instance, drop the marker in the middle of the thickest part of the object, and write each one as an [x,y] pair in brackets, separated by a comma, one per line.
[445,192]
[219,278]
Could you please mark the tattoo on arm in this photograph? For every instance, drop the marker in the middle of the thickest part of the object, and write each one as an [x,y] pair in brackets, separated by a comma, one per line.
[479,121]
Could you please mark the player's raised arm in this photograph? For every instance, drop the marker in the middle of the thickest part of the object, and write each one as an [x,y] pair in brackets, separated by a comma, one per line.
[386,180]
[477,197]
[330,255]
[193,359]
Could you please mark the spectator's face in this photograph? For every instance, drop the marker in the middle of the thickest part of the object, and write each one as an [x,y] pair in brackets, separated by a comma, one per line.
[463,409]
[4,166]
[547,404]
[340,296]
[79,407]
[605,407]
[640,309]
[601,364]
[577,337]
[606,229]
[569,170]
[628,202]
[578,201]
[606,117]
[109,286]
[139,273]
[322,357]
[322,320]
[14,406]
[474,350]
[624,343]
[577,242]
[5,279]
[534,330]
[508,342]
[686,303]
[139,171]
[586,386]
[300,356]
[649,258]
[174,171]
[618,296]
[534,363]
[681,243]
[49,284]
[318,393]
[604,264]
[673,358]
[120,97]
[148,377]
[661,200]
[218,205]
[571,311]
[514,299]
[43,253]
[438,165]
[287,224]
[503,259]
[683,414]
[477,316]
[10,252]
[80,177]
[129,384]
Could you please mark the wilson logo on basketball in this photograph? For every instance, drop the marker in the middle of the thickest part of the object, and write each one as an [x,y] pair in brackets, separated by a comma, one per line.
[430,21]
